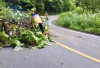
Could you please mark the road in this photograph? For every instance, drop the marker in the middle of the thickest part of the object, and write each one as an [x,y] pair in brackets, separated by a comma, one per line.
[71,49]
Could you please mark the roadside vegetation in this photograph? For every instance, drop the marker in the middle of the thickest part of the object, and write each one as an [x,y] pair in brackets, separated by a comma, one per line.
[86,21]
[85,17]
[18,30]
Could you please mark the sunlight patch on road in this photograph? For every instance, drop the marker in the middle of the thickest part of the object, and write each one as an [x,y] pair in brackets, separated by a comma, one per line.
[80,53]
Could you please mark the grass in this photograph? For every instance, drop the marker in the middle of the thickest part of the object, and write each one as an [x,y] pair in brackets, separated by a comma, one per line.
[86,21]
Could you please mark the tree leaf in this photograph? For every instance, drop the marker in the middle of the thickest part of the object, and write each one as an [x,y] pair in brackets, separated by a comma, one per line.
[3,33]
[16,42]
[17,48]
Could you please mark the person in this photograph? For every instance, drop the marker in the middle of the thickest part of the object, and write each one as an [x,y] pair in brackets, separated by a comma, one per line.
[38,20]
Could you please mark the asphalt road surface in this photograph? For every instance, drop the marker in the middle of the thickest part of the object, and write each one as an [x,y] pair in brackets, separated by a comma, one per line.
[71,49]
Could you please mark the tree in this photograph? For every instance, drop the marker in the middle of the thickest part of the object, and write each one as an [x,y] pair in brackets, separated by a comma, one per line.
[45,5]
[90,5]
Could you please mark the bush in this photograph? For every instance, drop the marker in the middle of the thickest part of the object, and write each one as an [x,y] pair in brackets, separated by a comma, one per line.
[78,10]
[83,22]
[19,31]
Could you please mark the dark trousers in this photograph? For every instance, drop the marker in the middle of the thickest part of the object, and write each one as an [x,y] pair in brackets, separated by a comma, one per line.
[41,27]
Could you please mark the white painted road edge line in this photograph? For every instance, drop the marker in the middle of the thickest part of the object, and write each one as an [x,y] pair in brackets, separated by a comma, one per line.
[50,22]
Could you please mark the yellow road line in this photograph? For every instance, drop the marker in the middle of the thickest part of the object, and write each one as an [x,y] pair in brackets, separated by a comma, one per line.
[80,53]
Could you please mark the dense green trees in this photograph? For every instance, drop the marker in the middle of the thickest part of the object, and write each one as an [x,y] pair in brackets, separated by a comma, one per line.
[56,5]
[45,5]
[90,5]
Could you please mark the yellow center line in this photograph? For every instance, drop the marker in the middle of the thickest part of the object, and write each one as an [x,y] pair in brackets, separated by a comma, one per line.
[80,53]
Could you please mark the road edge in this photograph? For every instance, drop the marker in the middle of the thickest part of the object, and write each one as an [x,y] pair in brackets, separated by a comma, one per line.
[78,32]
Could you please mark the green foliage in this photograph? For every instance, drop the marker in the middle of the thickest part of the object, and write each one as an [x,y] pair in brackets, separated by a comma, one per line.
[78,10]
[45,5]
[3,11]
[90,5]
[20,31]
[16,42]
[2,4]
[57,5]
[83,22]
